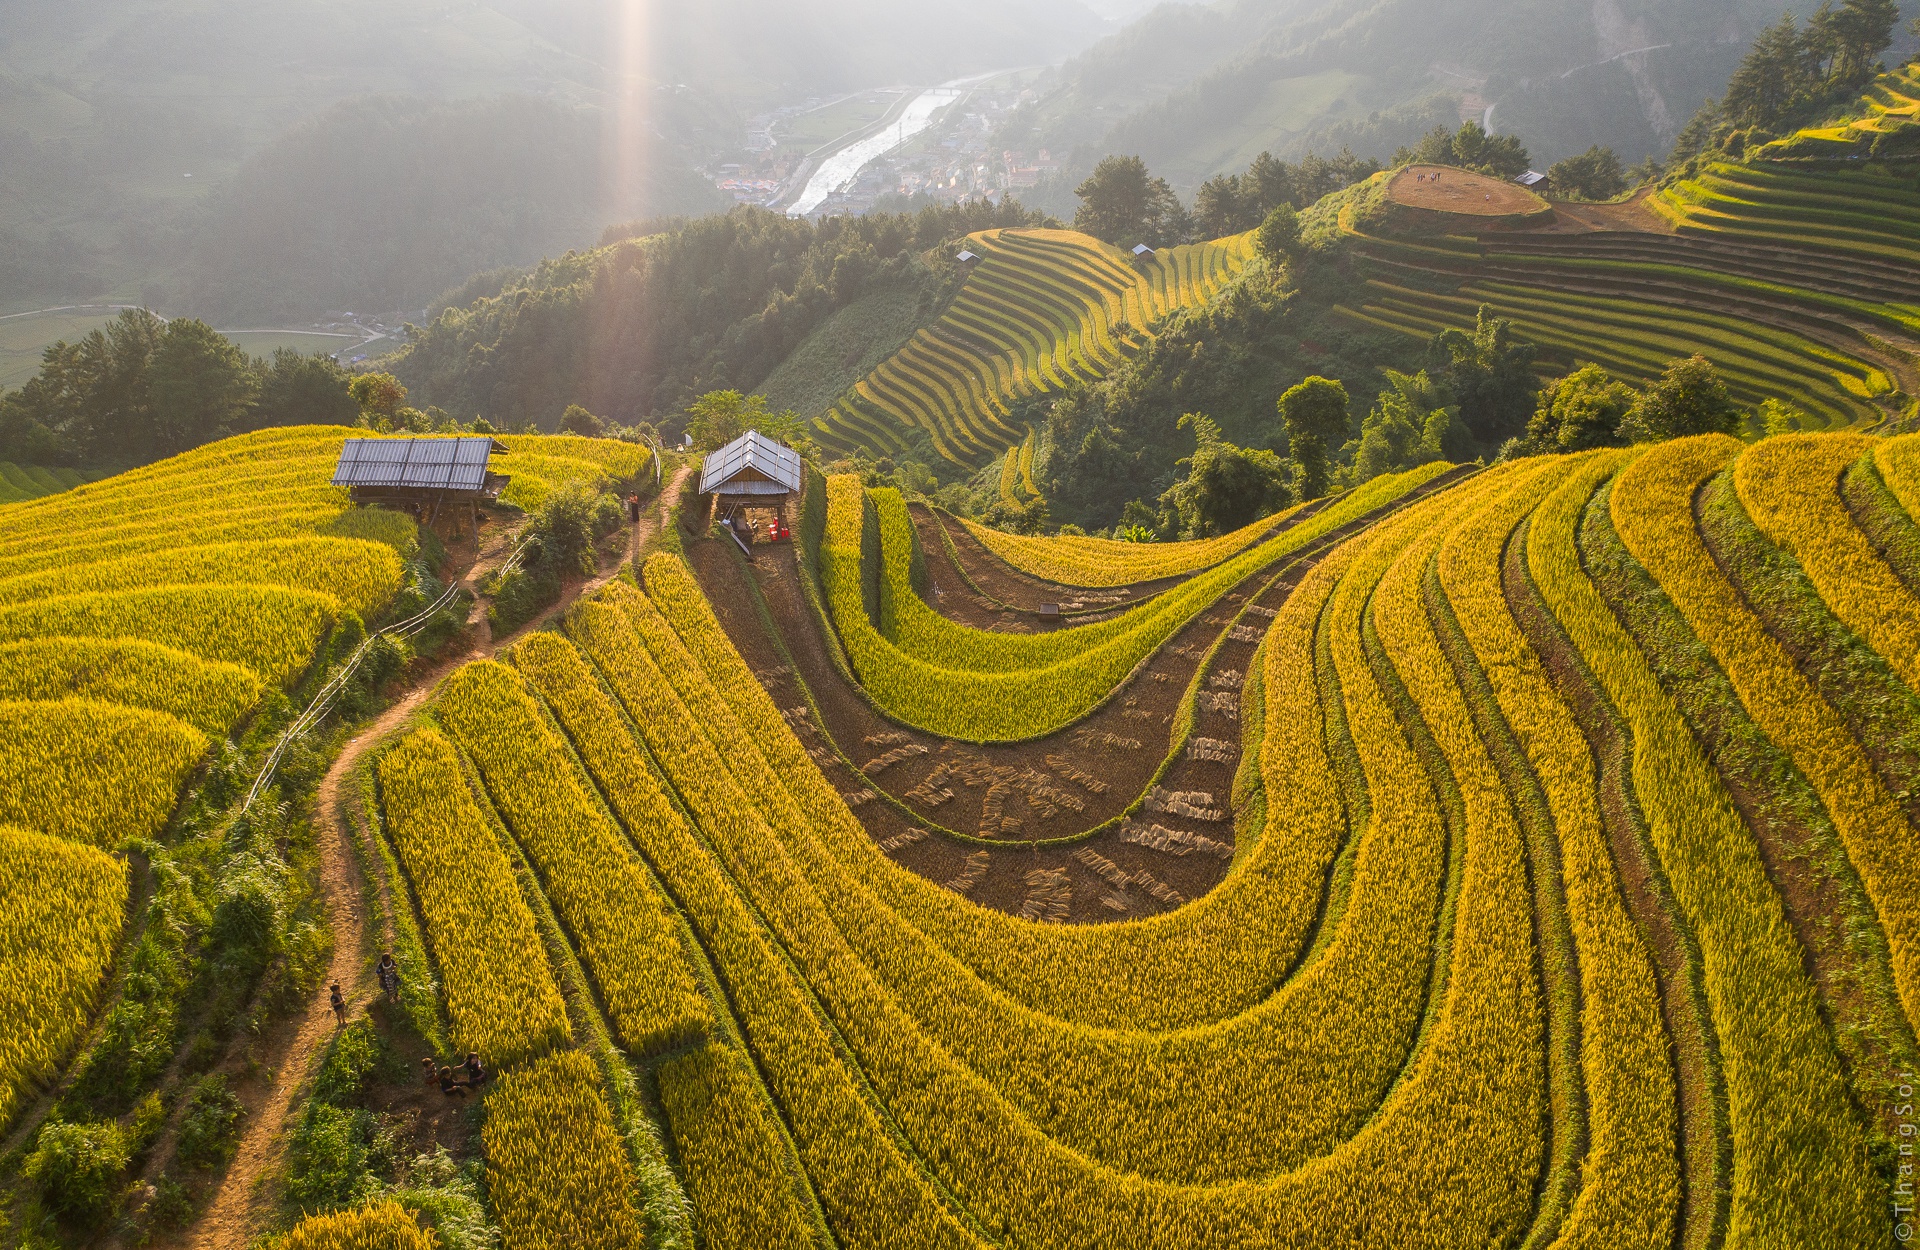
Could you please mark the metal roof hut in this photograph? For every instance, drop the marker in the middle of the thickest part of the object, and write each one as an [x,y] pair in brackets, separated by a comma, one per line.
[421,475]
[751,471]
[1535,181]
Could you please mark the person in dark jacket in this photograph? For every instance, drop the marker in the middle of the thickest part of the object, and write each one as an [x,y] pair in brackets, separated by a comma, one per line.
[449,1086]
[477,1073]
[389,973]
[339,1005]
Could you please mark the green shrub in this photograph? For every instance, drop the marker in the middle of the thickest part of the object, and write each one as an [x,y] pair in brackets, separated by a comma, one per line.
[355,1055]
[210,1128]
[332,1150]
[609,514]
[78,1167]
[520,596]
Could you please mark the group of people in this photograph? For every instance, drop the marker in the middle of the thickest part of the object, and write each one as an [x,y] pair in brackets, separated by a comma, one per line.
[388,972]
[455,1082]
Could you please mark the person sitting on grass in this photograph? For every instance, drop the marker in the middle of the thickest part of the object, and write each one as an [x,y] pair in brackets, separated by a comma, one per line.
[433,1070]
[477,1073]
[449,1086]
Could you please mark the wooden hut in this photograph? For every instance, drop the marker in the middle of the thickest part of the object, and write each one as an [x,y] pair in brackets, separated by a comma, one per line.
[421,475]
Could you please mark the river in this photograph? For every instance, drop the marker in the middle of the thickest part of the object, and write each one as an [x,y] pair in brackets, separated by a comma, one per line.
[838,171]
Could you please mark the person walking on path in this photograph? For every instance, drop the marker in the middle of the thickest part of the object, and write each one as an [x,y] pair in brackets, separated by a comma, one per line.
[339,1005]
[389,973]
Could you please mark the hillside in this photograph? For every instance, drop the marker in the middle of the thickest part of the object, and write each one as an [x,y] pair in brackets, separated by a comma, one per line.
[162,631]
[1200,90]
[1885,122]
[135,132]
[1560,741]
[1040,311]
[1798,285]
[20,482]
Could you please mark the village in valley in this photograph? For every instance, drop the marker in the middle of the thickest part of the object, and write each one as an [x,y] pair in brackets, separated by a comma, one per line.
[966,153]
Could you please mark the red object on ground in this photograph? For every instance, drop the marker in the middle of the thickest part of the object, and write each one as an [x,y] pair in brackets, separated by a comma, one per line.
[777,529]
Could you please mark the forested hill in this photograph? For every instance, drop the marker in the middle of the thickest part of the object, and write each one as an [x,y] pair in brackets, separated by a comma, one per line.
[638,328]
[1200,90]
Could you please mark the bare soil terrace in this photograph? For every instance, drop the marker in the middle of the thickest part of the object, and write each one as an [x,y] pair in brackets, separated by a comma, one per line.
[909,788]
[1441,189]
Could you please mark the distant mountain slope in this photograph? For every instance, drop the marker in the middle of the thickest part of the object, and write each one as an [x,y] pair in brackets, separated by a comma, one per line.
[1201,90]
[119,119]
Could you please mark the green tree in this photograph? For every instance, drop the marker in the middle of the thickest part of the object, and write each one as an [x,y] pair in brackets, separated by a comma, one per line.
[379,394]
[1580,411]
[1410,425]
[1315,414]
[1470,147]
[1490,375]
[1224,206]
[577,420]
[1690,398]
[1226,486]
[1125,205]
[200,387]
[719,417]
[1278,239]
[1595,174]
[298,389]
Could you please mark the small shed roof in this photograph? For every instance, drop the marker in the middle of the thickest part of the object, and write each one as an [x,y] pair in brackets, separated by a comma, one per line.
[1531,179]
[1142,249]
[967,258]
[416,463]
[752,464]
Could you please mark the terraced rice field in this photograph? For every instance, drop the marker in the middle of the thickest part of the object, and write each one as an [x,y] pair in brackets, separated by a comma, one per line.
[1041,311]
[1797,285]
[142,621]
[19,482]
[1591,870]
[1890,105]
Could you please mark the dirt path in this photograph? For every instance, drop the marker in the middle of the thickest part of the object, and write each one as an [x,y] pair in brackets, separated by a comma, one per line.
[239,1210]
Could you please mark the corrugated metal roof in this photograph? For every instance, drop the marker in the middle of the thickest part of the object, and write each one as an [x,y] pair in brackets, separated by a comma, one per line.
[416,463]
[751,465]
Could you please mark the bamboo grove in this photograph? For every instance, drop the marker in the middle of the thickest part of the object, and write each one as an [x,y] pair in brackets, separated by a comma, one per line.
[1624,949]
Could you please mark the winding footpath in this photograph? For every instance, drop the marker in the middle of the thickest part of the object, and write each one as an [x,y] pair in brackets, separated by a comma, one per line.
[240,1209]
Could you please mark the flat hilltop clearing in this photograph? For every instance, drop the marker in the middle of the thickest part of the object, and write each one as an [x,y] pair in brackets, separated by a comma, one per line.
[1442,189]
[1589,863]
[1042,310]
[1798,284]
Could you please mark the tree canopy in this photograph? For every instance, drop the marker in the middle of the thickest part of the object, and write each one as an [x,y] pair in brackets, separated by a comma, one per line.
[1470,147]
[1690,398]
[1315,413]
[1226,486]
[141,389]
[719,417]
[1490,375]
[1125,205]
[1595,174]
